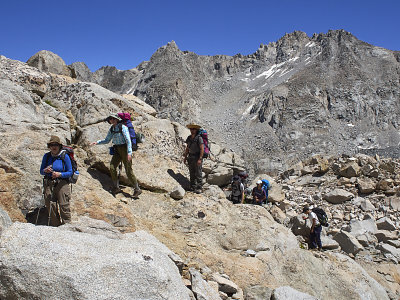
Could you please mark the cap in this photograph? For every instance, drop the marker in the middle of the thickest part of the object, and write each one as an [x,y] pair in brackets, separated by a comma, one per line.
[259,182]
[305,209]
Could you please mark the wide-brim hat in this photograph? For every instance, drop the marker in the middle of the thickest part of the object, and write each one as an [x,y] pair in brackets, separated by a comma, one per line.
[113,116]
[54,140]
[193,126]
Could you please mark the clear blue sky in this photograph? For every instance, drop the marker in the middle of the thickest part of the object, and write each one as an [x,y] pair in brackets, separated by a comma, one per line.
[125,33]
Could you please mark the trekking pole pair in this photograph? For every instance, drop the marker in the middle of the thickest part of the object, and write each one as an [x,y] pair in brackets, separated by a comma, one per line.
[52,185]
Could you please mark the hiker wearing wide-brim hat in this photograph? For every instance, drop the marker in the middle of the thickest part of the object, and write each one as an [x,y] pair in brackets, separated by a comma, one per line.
[194,157]
[53,141]
[57,170]
[193,126]
[121,151]
[113,116]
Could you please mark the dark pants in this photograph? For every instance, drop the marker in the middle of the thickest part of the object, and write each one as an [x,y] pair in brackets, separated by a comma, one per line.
[57,192]
[315,237]
[196,179]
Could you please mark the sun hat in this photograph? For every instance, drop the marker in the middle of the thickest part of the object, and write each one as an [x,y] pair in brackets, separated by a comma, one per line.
[113,116]
[259,182]
[54,140]
[193,126]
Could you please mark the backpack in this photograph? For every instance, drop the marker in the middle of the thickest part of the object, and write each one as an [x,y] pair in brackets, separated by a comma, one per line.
[235,190]
[126,120]
[266,186]
[321,215]
[203,133]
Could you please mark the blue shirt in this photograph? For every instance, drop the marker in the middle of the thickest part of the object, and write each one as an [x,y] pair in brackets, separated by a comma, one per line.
[65,168]
[118,138]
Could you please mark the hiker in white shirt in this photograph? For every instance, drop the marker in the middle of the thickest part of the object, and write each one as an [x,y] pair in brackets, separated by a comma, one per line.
[316,228]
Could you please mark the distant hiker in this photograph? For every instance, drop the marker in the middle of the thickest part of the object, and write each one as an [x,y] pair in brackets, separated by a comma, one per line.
[316,228]
[194,156]
[57,170]
[258,194]
[121,151]
[237,187]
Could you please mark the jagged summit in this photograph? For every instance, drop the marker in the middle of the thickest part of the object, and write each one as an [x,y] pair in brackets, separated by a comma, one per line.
[300,95]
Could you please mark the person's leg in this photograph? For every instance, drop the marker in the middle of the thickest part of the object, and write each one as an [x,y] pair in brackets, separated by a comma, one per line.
[64,197]
[128,167]
[51,204]
[192,171]
[313,242]
[318,236]
[115,161]
[198,177]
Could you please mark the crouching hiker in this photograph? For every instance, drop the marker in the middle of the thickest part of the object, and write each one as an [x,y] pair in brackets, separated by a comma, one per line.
[316,228]
[57,170]
[258,193]
[121,151]
[194,156]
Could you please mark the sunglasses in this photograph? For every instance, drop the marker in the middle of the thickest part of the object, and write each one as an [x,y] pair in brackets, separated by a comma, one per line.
[54,145]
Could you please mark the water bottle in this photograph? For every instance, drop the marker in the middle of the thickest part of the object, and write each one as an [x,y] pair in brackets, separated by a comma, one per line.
[75,176]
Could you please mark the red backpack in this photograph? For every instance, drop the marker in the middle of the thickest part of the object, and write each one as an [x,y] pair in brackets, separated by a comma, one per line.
[204,135]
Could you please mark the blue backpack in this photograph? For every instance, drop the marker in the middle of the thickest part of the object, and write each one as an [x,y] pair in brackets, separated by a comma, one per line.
[266,186]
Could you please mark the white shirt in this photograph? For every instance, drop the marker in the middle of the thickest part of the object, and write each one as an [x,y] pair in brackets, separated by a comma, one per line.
[312,216]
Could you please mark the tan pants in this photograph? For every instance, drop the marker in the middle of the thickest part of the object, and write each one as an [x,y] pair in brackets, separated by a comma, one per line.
[57,195]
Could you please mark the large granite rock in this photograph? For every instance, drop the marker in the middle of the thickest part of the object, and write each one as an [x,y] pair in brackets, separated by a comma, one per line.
[347,242]
[338,196]
[48,61]
[56,263]
[289,293]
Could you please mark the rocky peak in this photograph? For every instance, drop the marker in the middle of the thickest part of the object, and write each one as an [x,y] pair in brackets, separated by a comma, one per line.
[48,61]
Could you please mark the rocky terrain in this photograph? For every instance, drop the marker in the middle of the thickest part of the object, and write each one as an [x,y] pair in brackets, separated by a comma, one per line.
[169,243]
[329,93]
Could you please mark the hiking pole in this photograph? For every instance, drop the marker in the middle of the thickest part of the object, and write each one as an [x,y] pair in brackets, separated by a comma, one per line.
[119,173]
[37,216]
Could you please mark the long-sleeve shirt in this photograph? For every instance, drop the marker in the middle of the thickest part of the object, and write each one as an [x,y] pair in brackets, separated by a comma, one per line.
[118,137]
[58,165]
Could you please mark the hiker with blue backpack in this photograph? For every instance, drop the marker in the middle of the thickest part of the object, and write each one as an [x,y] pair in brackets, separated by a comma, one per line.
[121,151]
[193,156]
[57,170]
[258,193]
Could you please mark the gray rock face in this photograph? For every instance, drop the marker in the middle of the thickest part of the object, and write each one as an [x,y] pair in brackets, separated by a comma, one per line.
[5,220]
[48,61]
[289,293]
[385,224]
[201,289]
[347,242]
[338,196]
[357,228]
[52,263]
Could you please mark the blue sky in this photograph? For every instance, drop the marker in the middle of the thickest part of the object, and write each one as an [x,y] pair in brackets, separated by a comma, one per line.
[125,33]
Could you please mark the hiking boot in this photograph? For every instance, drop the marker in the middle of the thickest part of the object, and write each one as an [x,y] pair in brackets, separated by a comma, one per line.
[136,193]
[198,191]
[116,190]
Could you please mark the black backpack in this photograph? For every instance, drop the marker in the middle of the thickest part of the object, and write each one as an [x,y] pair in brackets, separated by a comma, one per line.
[321,215]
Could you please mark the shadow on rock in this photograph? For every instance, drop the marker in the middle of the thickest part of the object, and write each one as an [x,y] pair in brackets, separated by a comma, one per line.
[182,180]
